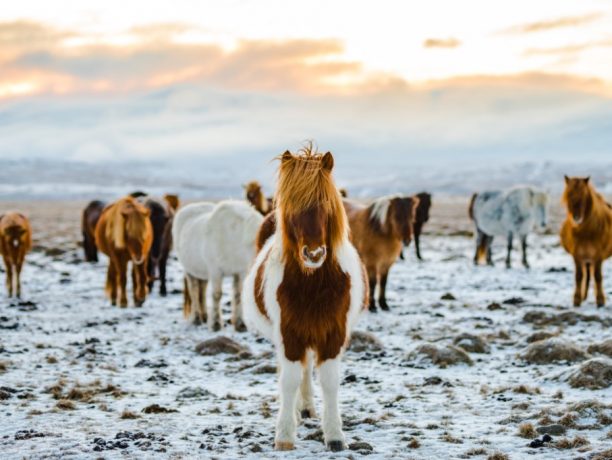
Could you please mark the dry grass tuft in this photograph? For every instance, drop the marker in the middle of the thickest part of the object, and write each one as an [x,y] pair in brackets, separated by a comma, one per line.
[414,443]
[498,456]
[526,430]
[447,437]
[65,404]
[526,390]
[476,452]
[568,420]
[129,415]
[566,443]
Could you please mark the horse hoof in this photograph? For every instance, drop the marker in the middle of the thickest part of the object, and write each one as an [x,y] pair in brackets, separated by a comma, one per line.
[384,306]
[163,293]
[283,445]
[240,327]
[196,321]
[308,413]
[372,308]
[216,327]
[335,446]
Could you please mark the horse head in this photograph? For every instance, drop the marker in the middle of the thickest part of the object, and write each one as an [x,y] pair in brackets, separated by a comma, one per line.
[401,216]
[578,198]
[137,230]
[310,210]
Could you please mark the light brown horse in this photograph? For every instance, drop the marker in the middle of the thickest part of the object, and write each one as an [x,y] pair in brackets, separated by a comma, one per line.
[124,233]
[256,197]
[15,242]
[305,292]
[587,235]
[379,232]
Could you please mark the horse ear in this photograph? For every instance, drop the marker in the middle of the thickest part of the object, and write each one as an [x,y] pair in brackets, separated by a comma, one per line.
[328,161]
[567,179]
[286,156]
[586,180]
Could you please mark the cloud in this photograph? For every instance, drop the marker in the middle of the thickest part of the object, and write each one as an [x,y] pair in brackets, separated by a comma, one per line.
[541,26]
[441,43]
[569,49]
[153,59]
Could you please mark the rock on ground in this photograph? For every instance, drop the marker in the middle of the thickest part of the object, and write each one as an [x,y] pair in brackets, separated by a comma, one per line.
[551,351]
[440,356]
[221,344]
[471,343]
[364,341]
[604,348]
[594,374]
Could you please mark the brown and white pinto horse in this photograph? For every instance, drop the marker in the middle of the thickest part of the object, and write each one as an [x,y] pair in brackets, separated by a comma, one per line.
[89,220]
[587,235]
[379,232]
[305,292]
[15,242]
[256,197]
[124,234]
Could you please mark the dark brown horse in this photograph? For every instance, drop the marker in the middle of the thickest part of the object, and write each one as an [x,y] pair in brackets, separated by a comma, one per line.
[420,218]
[89,220]
[124,234]
[15,242]
[587,235]
[379,231]
[254,195]
[161,214]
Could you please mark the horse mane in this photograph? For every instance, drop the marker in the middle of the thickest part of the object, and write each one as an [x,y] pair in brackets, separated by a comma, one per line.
[378,211]
[304,183]
[262,203]
[119,223]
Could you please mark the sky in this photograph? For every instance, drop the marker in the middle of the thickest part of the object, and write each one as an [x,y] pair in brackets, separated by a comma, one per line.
[427,81]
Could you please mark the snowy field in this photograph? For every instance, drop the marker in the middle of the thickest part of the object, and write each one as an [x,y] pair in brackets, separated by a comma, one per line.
[82,379]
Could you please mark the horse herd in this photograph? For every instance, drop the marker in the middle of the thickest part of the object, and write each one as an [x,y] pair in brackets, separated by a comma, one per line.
[305,264]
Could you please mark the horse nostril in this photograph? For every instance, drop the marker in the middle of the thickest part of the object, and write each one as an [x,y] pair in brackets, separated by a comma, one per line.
[305,252]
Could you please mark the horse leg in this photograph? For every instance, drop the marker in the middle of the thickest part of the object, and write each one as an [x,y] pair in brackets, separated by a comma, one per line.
[192,299]
[306,406]
[9,275]
[417,239]
[481,246]
[140,284]
[329,373]
[382,294]
[214,312]
[578,279]
[111,282]
[600,297]
[524,248]
[18,267]
[162,275]
[150,273]
[290,377]
[202,299]
[186,298]
[237,305]
[122,273]
[508,258]
[489,243]
[587,281]
[372,280]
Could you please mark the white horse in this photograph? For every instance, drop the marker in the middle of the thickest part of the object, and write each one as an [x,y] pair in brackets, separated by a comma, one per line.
[516,211]
[213,241]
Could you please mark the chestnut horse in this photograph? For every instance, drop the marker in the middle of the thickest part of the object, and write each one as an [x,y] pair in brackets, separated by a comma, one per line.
[587,235]
[124,234]
[305,292]
[255,196]
[379,232]
[89,219]
[15,242]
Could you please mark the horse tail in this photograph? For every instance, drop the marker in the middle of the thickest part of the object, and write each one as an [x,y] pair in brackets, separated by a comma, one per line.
[471,207]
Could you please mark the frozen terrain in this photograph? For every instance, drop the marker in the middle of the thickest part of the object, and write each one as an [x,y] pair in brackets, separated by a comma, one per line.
[79,378]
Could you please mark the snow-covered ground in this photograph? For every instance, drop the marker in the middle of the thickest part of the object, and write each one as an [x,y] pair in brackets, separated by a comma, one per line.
[77,373]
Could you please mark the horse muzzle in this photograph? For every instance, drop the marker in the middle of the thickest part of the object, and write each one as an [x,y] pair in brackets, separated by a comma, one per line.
[313,259]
